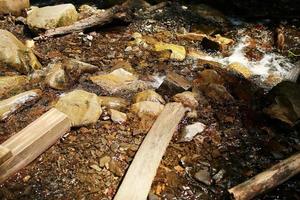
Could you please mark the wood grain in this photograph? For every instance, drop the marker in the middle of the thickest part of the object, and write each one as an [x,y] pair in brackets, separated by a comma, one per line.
[268,179]
[33,140]
[138,179]
[5,154]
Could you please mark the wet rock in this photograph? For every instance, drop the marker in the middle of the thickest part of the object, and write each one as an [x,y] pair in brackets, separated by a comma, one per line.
[240,69]
[174,83]
[203,176]
[190,131]
[10,84]
[14,7]
[147,108]
[56,78]
[52,16]
[81,107]
[187,98]
[217,43]
[178,52]
[119,80]
[117,116]
[14,54]
[149,95]
[12,104]
[191,36]
[217,92]
[285,104]
[208,76]
[113,102]
[115,168]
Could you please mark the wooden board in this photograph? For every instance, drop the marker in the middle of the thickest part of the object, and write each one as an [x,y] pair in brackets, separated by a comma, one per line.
[5,154]
[138,179]
[33,140]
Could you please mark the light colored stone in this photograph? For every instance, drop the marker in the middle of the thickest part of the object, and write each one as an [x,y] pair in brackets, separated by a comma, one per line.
[78,67]
[12,104]
[149,95]
[117,81]
[14,54]
[117,116]
[9,84]
[113,102]
[81,107]
[56,77]
[187,98]
[52,16]
[178,52]
[13,6]
[190,131]
[240,69]
[147,108]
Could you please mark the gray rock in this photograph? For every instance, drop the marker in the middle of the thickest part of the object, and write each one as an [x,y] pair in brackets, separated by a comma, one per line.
[203,176]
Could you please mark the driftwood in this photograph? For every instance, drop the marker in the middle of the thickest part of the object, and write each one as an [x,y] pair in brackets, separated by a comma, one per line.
[29,143]
[5,154]
[102,18]
[268,179]
[137,182]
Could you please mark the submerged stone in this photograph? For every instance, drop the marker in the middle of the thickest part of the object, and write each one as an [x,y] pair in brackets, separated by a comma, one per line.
[240,69]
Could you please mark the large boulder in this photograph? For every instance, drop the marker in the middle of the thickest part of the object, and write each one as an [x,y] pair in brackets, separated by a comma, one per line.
[13,6]
[81,107]
[52,16]
[14,54]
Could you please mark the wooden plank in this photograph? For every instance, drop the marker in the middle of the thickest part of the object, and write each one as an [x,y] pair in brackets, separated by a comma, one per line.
[138,179]
[268,179]
[5,154]
[33,140]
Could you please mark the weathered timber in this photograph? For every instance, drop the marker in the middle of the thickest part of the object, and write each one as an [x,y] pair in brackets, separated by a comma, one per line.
[5,154]
[33,140]
[268,179]
[138,179]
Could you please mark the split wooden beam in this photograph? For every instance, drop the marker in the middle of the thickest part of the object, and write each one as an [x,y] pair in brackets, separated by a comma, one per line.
[29,143]
[138,179]
[268,179]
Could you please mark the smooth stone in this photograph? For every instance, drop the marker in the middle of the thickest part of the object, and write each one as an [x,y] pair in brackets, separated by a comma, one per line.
[240,69]
[13,6]
[190,131]
[187,98]
[203,176]
[50,17]
[117,116]
[10,84]
[149,95]
[178,52]
[147,108]
[81,107]
[56,78]
[14,54]
[113,102]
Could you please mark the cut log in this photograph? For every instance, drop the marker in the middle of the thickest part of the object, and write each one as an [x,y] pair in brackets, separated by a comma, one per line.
[33,140]
[5,154]
[268,179]
[138,179]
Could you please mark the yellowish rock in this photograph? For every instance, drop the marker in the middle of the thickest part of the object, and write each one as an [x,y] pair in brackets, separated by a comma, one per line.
[149,95]
[52,16]
[147,108]
[117,81]
[178,52]
[224,40]
[12,104]
[187,98]
[56,77]
[81,107]
[113,102]
[14,54]
[9,84]
[191,36]
[240,69]
[117,116]
[13,6]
